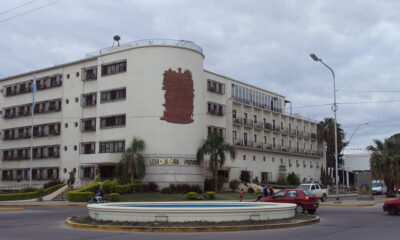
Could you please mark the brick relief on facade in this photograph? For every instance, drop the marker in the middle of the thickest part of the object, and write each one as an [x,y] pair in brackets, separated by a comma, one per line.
[179,96]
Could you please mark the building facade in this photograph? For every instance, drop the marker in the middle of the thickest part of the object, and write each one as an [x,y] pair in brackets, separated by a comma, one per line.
[88,111]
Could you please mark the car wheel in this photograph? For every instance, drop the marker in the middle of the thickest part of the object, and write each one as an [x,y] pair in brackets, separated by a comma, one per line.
[300,209]
[392,210]
[324,198]
[311,211]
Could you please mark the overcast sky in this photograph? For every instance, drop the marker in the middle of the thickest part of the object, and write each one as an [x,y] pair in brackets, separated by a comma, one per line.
[266,43]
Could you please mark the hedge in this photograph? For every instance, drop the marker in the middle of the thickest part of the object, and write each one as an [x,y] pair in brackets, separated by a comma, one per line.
[121,189]
[74,196]
[29,195]
[210,195]
[114,197]
[108,186]
[83,194]
[193,196]
[135,187]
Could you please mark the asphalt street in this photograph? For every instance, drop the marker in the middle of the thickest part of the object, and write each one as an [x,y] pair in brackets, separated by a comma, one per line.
[38,223]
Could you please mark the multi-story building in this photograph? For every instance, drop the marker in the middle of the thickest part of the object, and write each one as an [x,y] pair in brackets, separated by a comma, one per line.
[88,111]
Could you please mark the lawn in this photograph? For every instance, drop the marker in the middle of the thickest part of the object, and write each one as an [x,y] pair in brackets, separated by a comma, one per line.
[160,197]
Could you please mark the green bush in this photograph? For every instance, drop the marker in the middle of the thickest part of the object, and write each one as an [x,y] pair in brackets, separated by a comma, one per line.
[114,197]
[29,189]
[136,181]
[234,184]
[83,194]
[193,196]
[293,179]
[121,189]
[210,195]
[135,187]
[29,195]
[166,190]
[108,186]
[75,196]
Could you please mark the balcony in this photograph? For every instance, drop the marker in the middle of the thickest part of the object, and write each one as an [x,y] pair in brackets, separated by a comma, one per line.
[285,131]
[247,122]
[299,133]
[274,148]
[217,112]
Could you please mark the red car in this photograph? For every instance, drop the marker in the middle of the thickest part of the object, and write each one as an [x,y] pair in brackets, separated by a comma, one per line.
[392,206]
[304,199]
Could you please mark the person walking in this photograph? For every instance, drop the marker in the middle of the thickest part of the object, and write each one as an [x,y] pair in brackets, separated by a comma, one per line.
[241,194]
[265,191]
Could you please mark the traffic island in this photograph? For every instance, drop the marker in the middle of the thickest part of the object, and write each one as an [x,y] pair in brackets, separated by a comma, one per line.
[85,222]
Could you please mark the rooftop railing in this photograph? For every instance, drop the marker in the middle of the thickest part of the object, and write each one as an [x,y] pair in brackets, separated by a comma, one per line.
[148,42]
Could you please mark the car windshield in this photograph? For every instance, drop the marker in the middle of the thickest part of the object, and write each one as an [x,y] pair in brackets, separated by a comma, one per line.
[304,187]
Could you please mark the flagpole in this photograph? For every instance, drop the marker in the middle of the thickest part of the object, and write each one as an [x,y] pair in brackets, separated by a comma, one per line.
[31,142]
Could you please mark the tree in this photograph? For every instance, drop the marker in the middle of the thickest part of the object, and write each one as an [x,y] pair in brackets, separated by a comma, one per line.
[385,162]
[216,147]
[234,184]
[131,165]
[327,133]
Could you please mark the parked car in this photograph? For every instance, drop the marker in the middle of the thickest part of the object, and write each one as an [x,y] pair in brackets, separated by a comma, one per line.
[392,206]
[303,199]
[379,187]
[316,189]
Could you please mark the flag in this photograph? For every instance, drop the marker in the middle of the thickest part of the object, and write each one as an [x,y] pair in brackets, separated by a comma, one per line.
[33,93]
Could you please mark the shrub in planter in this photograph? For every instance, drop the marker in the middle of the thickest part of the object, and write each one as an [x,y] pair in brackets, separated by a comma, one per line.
[121,189]
[52,183]
[234,184]
[93,188]
[166,190]
[210,195]
[114,197]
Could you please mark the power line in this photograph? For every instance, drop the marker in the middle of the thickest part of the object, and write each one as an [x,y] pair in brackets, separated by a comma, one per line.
[29,11]
[370,91]
[19,6]
[346,103]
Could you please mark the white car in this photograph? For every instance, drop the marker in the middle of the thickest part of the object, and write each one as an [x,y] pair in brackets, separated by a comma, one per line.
[379,187]
[316,189]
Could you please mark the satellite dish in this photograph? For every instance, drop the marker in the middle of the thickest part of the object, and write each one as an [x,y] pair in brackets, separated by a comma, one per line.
[116,39]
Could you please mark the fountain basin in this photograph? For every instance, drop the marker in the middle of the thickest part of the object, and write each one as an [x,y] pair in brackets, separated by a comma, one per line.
[190,211]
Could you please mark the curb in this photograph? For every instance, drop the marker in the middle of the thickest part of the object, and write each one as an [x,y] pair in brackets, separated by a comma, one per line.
[69,222]
[11,209]
[351,205]
[44,205]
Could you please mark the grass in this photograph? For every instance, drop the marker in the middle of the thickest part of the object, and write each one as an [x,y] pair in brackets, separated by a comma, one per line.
[91,221]
[161,197]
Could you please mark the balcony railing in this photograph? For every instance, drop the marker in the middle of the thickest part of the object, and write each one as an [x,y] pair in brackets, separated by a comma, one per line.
[274,148]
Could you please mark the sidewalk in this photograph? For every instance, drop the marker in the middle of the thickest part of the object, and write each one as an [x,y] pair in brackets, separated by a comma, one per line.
[346,202]
[41,204]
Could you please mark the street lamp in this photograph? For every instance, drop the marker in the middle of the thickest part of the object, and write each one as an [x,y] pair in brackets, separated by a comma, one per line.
[348,142]
[334,109]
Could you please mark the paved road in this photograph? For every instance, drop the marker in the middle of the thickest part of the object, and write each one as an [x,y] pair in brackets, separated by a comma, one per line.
[38,223]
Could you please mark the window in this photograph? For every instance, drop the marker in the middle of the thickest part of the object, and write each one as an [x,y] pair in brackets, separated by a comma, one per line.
[89,100]
[244,157]
[255,118]
[212,129]
[280,194]
[264,158]
[234,134]
[89,74]
[292,194]
[113,68]
[265,139]
[112,121]
[215,87]
[254,158]
[234,114]
[215,109]
[112,147]
[113,95]
[88,125]
[255,137]
[88,148]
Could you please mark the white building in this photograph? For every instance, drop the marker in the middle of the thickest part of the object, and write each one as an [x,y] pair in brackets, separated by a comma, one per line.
[88,111]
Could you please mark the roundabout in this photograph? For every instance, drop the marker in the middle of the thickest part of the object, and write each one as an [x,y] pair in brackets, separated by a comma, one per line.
[213,212]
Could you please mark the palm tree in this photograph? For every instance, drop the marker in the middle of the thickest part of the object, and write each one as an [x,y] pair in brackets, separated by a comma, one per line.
[385,162]
[327,133]
[216,147]
[131,165]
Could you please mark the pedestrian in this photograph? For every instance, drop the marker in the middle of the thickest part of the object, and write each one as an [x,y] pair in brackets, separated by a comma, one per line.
[271,191]
[241,194]
[265,191]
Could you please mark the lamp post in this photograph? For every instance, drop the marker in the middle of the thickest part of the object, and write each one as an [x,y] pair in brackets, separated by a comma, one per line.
[351,136]
[334,109]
